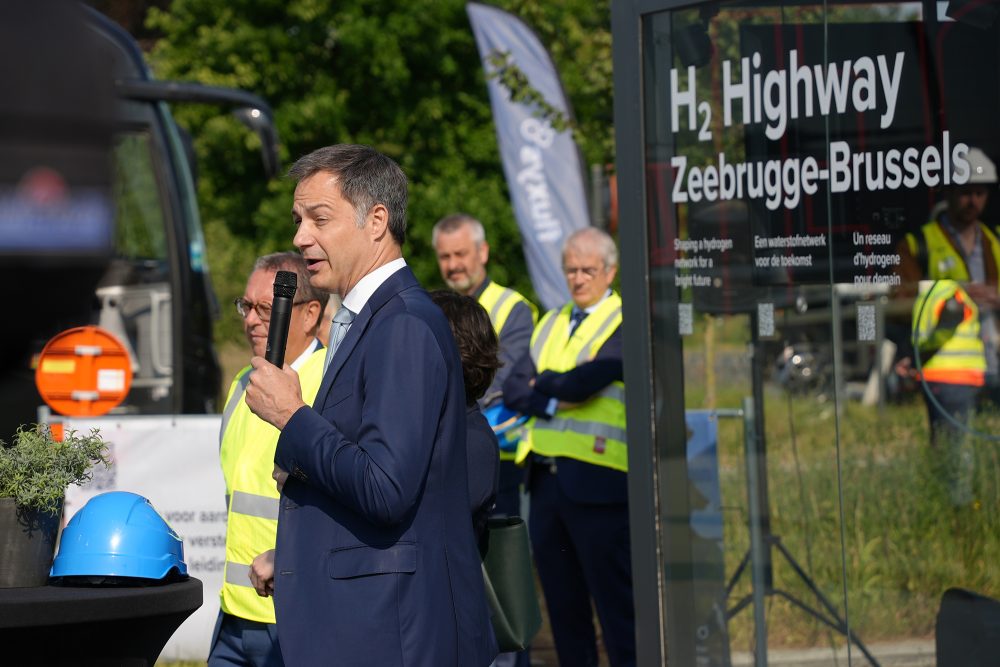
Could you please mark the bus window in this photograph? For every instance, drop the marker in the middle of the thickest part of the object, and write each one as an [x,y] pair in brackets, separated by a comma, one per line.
[140,234]
[135,294]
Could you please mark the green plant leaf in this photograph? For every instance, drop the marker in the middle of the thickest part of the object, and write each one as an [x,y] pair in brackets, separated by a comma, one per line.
[36,469]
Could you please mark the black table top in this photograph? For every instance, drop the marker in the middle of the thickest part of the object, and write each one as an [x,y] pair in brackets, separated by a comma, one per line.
[62,605]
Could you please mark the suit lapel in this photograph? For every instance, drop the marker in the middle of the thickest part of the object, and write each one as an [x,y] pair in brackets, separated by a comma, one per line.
[394,284]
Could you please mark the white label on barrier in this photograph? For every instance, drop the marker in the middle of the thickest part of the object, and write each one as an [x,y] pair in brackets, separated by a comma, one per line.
[110,379]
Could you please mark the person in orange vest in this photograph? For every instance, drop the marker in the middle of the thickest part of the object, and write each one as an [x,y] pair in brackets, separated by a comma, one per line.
[954,329]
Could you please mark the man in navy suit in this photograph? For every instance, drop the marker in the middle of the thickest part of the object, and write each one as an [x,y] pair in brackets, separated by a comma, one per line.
[375,562]
[577,457]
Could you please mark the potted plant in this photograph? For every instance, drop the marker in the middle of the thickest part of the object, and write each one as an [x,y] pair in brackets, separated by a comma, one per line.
[34,473]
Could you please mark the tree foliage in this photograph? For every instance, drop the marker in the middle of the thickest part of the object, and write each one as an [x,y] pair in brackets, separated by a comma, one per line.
[577,34]
[403,77]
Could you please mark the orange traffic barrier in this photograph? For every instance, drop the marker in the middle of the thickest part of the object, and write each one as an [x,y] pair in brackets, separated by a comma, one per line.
[83,372]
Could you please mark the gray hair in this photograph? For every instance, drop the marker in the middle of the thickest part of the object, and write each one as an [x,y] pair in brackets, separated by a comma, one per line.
[452,223]
[365,177]
[296,263]
[592,238]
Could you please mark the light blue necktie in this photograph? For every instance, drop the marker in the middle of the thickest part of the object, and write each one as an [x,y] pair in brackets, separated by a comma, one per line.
[341,323]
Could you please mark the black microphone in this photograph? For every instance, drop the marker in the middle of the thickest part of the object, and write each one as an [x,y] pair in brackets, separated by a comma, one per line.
[281,315]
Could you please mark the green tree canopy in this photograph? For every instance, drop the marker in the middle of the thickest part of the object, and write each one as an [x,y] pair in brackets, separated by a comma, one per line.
[402,77]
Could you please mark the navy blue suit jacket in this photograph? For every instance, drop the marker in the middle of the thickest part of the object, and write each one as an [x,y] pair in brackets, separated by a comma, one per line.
[376,563]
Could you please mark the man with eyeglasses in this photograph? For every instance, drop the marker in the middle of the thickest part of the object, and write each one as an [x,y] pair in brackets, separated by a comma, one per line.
[245,633]
[571,382]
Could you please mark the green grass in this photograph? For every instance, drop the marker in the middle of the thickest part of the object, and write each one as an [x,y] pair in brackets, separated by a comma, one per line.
[899,544]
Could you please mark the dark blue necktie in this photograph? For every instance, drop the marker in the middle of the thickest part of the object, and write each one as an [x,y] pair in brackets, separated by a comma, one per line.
[575,318]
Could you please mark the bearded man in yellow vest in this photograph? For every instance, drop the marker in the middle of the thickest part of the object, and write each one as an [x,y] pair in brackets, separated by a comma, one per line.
[463,253]
[954,323]
[245,633]
[571,382]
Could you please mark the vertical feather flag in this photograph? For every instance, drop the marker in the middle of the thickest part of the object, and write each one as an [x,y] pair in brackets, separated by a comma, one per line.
[542,166]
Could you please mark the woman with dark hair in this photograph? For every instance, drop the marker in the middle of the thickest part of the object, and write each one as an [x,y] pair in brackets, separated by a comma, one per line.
[478,348]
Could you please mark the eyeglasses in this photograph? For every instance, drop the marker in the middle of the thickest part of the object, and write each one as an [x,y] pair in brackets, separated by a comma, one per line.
[587,271]
[243,307]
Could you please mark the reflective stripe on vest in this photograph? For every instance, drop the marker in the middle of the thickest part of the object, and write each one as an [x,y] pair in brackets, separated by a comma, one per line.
[499,301]
[595,329]
[593,431]
[590,428]
[235,396]
[247,457]
[252,504]
[542,334]
[497,309]
[957,355]
[238,574]
[614,319]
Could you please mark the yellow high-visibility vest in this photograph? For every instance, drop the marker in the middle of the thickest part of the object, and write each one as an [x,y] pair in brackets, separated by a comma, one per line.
[499,301]
[943,261]
[958,354]
[247,456]
[593,431]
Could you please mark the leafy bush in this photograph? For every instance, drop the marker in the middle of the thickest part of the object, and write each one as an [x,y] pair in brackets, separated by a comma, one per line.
[36,469]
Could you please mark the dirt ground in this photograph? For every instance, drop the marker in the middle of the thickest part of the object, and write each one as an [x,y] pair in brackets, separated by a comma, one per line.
[543,650]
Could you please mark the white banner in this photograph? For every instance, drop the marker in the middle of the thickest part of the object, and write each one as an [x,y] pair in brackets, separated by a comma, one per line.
[173,460]
[543,167]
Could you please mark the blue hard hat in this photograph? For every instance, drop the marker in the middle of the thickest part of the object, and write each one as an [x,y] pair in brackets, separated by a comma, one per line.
[506,425]
[119,534]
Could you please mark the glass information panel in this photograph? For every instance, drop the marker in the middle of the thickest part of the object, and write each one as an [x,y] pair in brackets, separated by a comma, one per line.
[821,188]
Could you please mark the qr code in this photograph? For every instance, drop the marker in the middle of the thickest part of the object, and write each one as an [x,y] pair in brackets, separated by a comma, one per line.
[866,322]
[765,319]
[685,319]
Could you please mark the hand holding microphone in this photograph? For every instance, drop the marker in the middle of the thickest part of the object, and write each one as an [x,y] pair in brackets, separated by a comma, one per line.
[274,394]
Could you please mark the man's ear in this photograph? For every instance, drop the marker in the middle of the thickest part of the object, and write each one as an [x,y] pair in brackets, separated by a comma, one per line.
[377,221]
[311,318]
